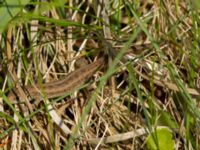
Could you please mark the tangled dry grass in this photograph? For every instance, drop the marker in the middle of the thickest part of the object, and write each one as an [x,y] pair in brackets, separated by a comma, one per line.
[155,84]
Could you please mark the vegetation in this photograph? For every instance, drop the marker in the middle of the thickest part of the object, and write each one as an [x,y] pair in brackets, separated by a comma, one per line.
[145,96]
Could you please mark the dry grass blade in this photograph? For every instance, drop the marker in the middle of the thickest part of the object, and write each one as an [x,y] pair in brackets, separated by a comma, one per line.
[58,120]
[119,137]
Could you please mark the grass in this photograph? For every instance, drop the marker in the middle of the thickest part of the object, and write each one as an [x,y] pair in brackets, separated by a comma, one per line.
[152,83]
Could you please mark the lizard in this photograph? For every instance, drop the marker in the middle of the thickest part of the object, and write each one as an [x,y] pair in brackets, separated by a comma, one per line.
[60,87]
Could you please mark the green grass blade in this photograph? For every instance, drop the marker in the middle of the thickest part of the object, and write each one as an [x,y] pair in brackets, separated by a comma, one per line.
[8,10]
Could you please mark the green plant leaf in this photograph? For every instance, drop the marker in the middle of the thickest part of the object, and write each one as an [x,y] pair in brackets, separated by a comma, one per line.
[196,4]
[8,10]
[161,139]
[165,119]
